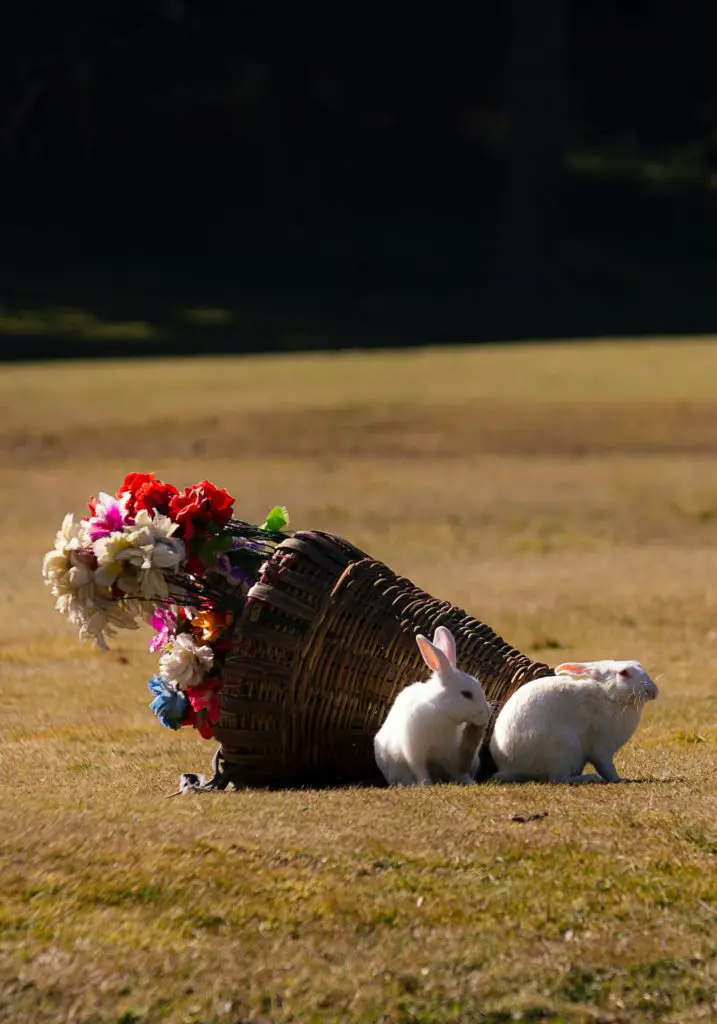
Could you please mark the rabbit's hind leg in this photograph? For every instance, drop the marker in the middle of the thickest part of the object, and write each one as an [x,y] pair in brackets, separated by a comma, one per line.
[605,767]
[509,777]
[419,771]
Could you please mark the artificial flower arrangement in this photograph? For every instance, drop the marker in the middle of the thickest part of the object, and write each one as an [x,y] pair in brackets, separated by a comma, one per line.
[176,560]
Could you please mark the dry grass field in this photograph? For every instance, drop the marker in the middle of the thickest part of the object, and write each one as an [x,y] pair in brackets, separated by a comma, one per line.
[565,494]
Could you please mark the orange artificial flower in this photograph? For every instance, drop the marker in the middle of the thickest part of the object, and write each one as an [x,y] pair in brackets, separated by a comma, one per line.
[211,624]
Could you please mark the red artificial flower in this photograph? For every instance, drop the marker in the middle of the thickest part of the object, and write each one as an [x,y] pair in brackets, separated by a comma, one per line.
[195,565]
[219,646]
[205,696]
[204,726]
[200,505]
[154,496]
[147,492]
[200,721]
[133,482]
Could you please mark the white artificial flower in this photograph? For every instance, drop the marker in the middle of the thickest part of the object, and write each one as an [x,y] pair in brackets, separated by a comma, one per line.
[67,537]
[69,567]
[68,551]
[55,565]
[138,538]
[80,576]
[82,587]
[159,555]
[169,553]
[94,627]
[100,618]
[151,552]
[186,663]
[108,551]
[106,620]
[161,526]
[108,548]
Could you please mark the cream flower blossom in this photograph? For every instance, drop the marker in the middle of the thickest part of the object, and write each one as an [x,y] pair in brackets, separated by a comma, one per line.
[55,565]
[138,557]
[186,663]
[160,526]
[109,550]
[69,567]
[101,618]
[71,535]
[81,591]
[56,562]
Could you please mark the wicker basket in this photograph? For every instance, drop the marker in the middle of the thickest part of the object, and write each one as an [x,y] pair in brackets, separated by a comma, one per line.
[324,643]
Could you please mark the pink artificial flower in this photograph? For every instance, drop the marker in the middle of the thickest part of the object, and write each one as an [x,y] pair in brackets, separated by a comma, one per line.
[109,516]
[164,623]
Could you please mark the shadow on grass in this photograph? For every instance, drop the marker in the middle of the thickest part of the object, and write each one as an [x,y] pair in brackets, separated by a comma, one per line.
[191,783]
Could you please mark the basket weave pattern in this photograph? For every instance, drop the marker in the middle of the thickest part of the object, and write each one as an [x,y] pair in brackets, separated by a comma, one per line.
[324,643]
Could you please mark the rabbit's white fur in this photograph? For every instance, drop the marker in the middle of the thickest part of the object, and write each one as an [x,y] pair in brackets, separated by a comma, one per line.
[550,728]
[420,741]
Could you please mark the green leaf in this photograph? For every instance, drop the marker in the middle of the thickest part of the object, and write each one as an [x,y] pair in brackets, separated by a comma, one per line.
[277,519]
[213,546]
[206,552]
[222,544]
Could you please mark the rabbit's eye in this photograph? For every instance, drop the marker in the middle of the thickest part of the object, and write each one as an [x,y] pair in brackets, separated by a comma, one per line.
[625,673]
[467,694]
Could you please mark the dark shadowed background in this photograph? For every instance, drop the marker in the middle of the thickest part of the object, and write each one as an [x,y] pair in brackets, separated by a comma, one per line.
[181,175]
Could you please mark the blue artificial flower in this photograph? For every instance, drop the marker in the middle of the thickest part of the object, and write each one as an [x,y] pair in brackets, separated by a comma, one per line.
[170,706]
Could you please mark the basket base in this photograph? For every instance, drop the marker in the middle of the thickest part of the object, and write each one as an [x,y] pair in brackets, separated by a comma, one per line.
[229,777]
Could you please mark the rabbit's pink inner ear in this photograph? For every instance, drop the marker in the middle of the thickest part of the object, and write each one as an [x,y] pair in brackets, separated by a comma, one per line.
[431,655]
[574,668]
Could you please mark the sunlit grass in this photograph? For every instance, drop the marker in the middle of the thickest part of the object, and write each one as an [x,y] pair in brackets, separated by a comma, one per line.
[565,495]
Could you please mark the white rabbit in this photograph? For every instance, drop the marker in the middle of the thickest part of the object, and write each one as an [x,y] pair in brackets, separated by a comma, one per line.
[422,739]
[550,728]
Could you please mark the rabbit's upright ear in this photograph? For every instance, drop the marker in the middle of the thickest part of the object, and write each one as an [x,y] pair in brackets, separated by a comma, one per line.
[576,669]
[444,640]
[434,657]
